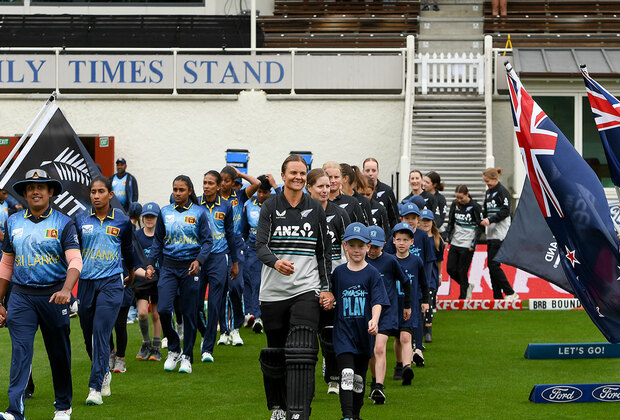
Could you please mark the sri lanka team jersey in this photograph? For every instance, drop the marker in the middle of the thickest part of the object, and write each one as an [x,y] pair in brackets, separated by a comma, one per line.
[220,215]
[182,233]
[252,213]
[39,246]
[120,189]
[356,292]
[4,214]
[106,243]
[237,200]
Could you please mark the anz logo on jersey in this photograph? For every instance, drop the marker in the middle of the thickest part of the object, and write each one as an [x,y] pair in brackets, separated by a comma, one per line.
[354,302]
[464,218]
[302,231]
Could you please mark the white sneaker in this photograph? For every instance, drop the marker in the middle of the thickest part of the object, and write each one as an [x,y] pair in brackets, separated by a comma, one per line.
[7,416]
[94,397]
[105,385]
[119,366]
[470,291]
[248,320]
[207,357]
[278,414]
[186,365]
[63,414]
[512,297]
[333,388]
[171,361]
[164,343]
[235,337]
[224,340]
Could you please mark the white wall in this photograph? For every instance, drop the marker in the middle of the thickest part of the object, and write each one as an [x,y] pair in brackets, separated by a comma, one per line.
[164,137]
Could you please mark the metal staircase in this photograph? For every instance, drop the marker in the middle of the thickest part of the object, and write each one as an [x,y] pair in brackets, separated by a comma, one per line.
[449,137]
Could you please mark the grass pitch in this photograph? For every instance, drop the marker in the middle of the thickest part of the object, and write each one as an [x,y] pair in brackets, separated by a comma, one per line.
[475,369]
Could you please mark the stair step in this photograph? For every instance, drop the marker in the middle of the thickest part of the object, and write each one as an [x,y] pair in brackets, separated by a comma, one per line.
[448,123]
[423,142]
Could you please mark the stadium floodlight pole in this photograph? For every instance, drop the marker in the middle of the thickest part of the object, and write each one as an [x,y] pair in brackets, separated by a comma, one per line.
[253,27]
[24,136]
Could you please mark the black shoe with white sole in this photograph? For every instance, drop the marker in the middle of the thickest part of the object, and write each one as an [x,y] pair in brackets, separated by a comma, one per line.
[377,394]
[407,375]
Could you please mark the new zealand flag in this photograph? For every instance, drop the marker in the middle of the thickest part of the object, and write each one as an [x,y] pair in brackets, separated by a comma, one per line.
[606,110]
[574,205]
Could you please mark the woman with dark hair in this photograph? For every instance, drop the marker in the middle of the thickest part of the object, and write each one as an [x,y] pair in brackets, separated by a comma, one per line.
[432,185]
[293,242]
[214,271]
[378,213]
[105,235]
[351,180]
[183,237]
[496,213]
[463,232]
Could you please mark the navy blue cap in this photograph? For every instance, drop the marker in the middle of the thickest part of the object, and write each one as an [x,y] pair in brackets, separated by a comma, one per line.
[356,231]
[427,214]
[418,200]
[135,209]
[402,227]
[150,209]
[377,235]
[409,208]
[121,160]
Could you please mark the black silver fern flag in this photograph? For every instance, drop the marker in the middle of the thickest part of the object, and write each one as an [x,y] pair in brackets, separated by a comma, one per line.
[56,148]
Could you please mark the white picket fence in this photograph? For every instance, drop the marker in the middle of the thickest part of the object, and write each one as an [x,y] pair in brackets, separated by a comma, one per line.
[447,73]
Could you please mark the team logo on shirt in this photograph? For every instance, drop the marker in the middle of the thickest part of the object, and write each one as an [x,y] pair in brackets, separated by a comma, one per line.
[191,220]
[344,206]
[305,213]
[280,215]
[112,231]
[330,218]
[51,233]
[219,215]
[87,230]
[234,202]
[169,218]
[354,302]
[380,193]
[17,233]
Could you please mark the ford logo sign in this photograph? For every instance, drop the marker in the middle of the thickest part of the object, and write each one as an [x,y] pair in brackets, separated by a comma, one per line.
[564,393]
[607,393]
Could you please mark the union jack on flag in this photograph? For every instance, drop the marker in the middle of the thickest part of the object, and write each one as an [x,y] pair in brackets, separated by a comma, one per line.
[573,203]
[606,111]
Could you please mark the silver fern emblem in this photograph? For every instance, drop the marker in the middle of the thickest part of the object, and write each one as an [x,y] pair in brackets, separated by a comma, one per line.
[70,166]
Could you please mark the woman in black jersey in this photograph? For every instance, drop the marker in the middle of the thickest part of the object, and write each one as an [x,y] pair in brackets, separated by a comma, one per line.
[350,180]
[317,185]
[432,185]
[346,202]
[379,215]
[416,183]
[463,232]
[293,243]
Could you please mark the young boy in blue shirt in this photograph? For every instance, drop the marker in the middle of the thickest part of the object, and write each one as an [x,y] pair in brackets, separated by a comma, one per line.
[394,279]
[359,294]
[413,266]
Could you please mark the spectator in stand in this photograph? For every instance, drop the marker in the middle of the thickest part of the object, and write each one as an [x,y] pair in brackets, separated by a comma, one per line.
[499,8]
[124,184]
[416,182]
[425,5]
[432,184]
[383,192]
[496,213]
[463,233]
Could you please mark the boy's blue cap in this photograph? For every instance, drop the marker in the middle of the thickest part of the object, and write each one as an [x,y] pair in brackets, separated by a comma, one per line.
[427,214]
[150,209]
[356,231]
[402,226]
[409,208]
[418,200]
[377,236]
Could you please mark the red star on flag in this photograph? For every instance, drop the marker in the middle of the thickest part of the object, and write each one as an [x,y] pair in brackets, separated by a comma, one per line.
[570,255]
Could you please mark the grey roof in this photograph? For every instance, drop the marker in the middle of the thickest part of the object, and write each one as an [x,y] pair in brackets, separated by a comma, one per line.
[566,61]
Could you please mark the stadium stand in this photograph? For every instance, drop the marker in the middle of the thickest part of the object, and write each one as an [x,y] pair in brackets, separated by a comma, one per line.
[340,23]
[556,23]
[126,31]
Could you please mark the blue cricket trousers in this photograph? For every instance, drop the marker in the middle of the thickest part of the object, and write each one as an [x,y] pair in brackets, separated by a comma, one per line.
[251,280]
[172,279]
[25,314]
[99,303]
[213,273]
[235,292]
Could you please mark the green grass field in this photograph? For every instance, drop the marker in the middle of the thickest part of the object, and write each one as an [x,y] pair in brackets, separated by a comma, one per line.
[475,370]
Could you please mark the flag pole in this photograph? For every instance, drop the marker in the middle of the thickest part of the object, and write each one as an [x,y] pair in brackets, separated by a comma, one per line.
[24,136]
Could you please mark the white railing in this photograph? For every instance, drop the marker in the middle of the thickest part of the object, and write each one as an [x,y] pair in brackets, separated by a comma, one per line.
[447,73]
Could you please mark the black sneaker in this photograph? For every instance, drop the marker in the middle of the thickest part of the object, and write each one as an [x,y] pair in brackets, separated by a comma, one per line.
[435,7]
[428,336]
[371,386]
[407,375]
[398,373]
[377,394]
[425,7]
